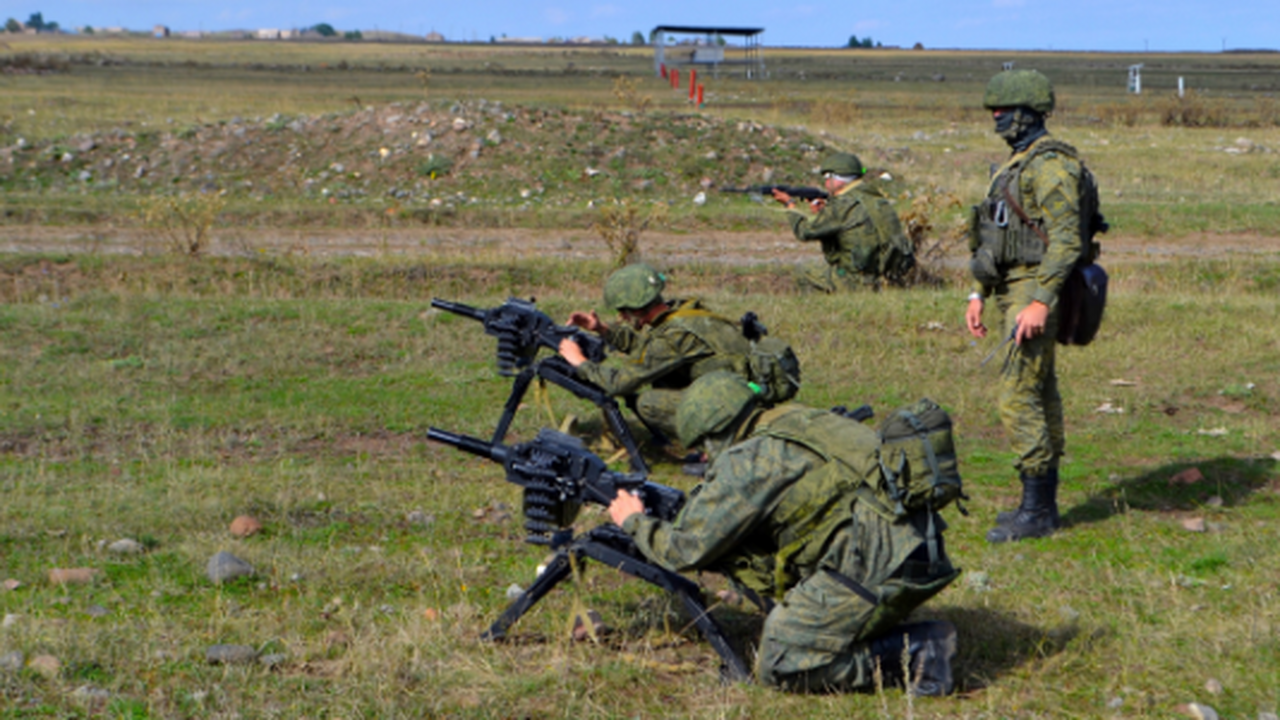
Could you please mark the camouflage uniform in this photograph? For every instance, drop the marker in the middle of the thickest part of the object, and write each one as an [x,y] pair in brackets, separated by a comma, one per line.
[768,501]
[1047,187]
[851,242]
[680,345]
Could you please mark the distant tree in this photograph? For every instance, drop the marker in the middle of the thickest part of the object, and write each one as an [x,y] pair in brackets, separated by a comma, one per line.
[12,25]
[353,35]
[720,40]
[36,22]
[51,27]
[492,40]
[608,40]
[866,42]
[324,30]
[88,30]
[637,38]
[853,42]
[918,46]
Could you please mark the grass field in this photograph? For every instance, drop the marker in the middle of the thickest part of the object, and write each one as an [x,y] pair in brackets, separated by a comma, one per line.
[155,397]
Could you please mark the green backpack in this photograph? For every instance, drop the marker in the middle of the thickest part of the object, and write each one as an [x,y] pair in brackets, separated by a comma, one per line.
[918,459]
[897,253]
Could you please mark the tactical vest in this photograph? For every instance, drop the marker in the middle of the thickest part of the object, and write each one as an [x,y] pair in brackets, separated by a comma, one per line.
[730,349]
[1002,234]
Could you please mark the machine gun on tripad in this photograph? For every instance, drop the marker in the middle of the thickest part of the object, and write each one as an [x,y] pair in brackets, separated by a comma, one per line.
[558,475]
[522,329]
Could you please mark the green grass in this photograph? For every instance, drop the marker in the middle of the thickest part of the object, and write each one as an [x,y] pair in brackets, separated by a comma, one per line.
[158,398]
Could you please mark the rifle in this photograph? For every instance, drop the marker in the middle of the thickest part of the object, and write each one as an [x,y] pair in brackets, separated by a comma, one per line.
[558,475]
[799,191]
[521,329]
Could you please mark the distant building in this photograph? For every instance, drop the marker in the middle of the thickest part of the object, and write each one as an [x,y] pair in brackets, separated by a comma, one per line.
[520,40]
[267,34]
[160,31]
[191,34]
[434,36]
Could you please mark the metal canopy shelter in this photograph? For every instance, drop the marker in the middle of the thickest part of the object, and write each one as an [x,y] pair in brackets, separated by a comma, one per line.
[711,53]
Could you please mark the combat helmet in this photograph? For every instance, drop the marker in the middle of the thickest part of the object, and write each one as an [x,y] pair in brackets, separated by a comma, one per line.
[633,287]
[843,163]
[711,405]
[1019,88]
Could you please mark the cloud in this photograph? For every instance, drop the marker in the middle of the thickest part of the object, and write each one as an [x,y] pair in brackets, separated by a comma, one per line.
[556,16]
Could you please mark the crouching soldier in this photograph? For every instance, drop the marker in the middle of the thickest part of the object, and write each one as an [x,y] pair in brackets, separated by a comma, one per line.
[792,510]
[666,345]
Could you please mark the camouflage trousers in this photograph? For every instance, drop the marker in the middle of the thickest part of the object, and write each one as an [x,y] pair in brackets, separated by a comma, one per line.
[658,409]
[817,639]
[1030,406]
[833,279]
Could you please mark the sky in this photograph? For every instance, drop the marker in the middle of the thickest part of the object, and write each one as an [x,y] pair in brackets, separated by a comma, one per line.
[1106,25]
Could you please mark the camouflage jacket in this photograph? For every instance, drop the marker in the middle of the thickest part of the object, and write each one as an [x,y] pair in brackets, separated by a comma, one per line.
[769,501]
[681,345]
[846,227]
[1046,183]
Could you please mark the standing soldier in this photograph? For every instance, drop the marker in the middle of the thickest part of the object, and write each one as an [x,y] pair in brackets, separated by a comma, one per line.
[862,238]
[1026,237]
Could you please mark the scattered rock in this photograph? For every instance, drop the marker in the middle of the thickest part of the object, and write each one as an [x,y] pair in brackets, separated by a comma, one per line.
[11,584]
[422,519]
[1212,432]
[1198,711]
[593,628]
[1123,383]
[978,580]
[1107,408]
[431,614]
[12,661]
[1268,716]
[1190,476]
[96,611]
[125,546]
[700,199]
[245,525]
[1214,501]
[494,137]
[460,125]
[514,591]
[273,659]
[90,694]
[1115,703]
[224,567]
[230,654]
[1213,686]
[72,576]
[10,620]
[46,665]
[1194,524]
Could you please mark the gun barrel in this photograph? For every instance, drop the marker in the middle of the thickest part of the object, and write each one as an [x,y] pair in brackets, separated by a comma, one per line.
[458,309]
[474,445]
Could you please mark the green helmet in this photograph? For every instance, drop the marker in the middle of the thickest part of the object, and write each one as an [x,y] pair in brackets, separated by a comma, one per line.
[711,404]
[1019,88]
[633,287]
[843,163]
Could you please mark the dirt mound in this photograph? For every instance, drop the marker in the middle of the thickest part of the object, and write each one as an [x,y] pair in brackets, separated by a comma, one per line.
[431,159]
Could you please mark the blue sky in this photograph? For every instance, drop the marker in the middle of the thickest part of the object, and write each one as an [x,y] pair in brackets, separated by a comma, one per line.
[1133,25]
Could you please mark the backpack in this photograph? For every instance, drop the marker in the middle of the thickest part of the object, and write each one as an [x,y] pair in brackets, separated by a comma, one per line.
[918,459]
[771,364]
[897,253]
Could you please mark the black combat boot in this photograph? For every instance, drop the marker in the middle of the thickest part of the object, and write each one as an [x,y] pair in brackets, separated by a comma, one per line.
[1038,514]
[930,648]
[1003,518]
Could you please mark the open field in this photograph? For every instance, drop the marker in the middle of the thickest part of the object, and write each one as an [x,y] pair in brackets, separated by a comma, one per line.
[291,369]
